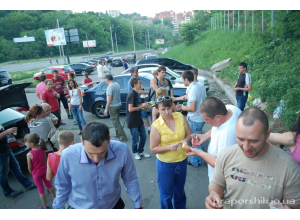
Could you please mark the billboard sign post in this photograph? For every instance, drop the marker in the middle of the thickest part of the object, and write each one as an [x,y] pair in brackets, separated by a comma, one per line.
[72,37]
[159,41]
[89,43]
[55,37]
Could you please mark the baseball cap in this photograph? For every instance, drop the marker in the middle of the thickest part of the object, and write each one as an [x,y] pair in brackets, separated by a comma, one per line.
[109,77]
[134,68]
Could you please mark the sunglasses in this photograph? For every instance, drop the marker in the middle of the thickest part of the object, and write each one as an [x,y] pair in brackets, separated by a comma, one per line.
[160,99]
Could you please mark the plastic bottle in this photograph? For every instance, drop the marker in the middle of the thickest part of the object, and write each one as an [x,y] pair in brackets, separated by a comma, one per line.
[184,102]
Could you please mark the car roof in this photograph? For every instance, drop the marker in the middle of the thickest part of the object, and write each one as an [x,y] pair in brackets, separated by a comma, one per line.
[146,64]
[117,58]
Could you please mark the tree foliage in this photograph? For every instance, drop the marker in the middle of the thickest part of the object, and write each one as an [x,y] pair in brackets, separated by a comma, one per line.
[189,31]
[18,23]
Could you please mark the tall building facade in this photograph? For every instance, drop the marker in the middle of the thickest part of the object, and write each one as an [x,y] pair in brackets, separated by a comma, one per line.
[114,13]
[177,19]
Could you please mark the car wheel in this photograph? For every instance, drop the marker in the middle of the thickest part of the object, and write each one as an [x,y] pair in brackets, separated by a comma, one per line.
[82,73]
[99,108]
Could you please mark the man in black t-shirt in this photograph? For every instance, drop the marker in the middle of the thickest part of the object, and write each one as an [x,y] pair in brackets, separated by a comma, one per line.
[8,163]
[134,119]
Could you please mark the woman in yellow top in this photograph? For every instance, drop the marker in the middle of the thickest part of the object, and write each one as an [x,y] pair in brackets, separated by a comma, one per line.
[167,133]
[160,92]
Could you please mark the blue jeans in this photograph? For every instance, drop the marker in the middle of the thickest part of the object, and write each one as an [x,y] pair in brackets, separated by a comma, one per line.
[133,61]
[78,116]
[241,101]
[196,128]
[171,179]
[8,163]
[144,114]
[137,134]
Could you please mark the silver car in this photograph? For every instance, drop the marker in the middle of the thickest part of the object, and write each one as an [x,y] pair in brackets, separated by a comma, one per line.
[174,76]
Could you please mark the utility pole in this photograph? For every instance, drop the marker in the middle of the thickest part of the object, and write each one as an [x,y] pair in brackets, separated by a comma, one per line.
[87,43]
[132,36]
[60,45]
[262,21]
[228,19]
[112,44]
[272,22]
[116,41]
[238,20]
[148,41]
[252,21]
[233,20]
[245,22]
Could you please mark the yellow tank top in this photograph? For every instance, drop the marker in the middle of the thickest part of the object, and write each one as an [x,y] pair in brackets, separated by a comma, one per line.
[167,137]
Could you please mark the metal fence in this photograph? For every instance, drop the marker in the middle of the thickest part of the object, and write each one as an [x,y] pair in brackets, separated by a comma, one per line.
[247,21]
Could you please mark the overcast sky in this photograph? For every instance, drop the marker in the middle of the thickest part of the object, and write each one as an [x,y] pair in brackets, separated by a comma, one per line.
[148,13]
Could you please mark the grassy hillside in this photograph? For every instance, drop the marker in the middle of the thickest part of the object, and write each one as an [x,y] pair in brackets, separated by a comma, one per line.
[273,64]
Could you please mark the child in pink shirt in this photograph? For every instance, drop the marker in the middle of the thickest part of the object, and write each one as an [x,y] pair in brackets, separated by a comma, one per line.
[36,160]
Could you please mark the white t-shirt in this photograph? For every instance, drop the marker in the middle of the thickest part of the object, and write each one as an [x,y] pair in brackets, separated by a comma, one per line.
[100,70]
[223,136]
[107,69]
[195,94]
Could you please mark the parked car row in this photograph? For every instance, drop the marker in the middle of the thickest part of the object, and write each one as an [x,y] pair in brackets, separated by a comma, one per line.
[94,99]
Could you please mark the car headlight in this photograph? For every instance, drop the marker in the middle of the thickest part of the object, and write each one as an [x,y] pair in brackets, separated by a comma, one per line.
[206,81]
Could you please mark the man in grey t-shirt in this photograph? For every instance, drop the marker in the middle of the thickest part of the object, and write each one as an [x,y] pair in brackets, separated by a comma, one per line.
[114,105]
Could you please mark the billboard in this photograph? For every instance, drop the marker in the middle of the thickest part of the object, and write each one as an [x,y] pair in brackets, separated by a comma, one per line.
[89,43]
[23,39]
[159,41]
[72,36]
[55,37]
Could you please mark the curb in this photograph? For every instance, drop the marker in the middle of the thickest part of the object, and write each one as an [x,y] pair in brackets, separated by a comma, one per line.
[230,93]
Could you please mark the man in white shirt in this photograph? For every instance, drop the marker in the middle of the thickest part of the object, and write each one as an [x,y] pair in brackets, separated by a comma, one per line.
[195,96]
[223,121]
[100,70]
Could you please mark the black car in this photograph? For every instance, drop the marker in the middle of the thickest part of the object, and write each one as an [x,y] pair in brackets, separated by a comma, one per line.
[81,68]
[95,62]
[109,60]
[13,95]
[97,58]
[89,63]
[168,62]
[117,61]
[5,78]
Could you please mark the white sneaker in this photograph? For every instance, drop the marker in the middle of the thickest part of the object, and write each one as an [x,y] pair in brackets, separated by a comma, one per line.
[137,156]
[144,155]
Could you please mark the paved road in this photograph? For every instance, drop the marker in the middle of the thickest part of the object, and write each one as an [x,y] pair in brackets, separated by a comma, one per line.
[196,181]
[75,59]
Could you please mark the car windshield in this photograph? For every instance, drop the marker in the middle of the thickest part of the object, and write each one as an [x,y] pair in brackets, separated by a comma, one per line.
[177,75]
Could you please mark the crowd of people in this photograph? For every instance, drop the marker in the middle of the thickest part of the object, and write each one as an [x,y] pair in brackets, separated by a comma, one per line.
[246,166]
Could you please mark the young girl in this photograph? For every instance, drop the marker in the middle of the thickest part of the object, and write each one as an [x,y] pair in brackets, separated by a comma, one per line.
[75,102]
[36,160]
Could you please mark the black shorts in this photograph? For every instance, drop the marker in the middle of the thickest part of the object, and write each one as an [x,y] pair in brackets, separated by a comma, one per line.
[56,113]
[64,101]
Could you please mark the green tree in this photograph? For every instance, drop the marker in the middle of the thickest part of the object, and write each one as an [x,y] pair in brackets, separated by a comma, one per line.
[156,21]
[189,31]
[168,22]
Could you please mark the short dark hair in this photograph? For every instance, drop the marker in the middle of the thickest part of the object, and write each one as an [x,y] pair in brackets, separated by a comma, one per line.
[134,81]
[188,75]
[43,77]
[250,115]
[161,68]
[212,106]
[71,75]
[194,71]
[54,71]
[96,133]
[243,64]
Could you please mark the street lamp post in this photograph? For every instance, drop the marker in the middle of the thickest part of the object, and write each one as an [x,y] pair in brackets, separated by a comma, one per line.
[116,37]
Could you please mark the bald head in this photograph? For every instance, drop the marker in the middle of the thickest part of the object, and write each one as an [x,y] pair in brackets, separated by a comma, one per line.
[250,115]
[47,109]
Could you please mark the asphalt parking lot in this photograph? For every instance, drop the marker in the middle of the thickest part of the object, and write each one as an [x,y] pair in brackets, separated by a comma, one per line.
[196,181]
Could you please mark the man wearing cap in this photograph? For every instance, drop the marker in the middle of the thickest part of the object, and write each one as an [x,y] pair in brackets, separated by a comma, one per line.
[113,105]
[100,70]
[134,74]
